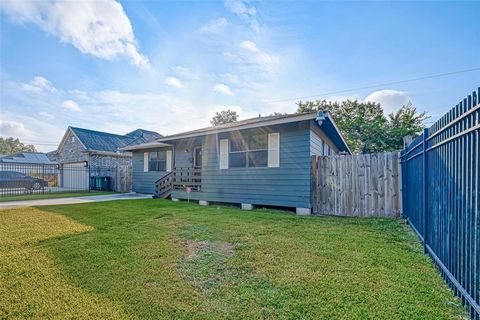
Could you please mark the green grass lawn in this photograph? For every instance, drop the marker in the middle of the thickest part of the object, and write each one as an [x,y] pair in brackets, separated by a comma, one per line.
[53,195]
[157,259]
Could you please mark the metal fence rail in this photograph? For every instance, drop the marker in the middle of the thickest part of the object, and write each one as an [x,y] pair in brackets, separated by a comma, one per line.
[18,179]
[440,171]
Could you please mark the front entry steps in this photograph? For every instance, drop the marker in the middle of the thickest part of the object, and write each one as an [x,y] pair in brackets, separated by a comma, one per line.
[163,186]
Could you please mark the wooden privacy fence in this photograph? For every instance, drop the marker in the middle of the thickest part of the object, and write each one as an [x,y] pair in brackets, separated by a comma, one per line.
[123,181]
[441,197]
[363,185]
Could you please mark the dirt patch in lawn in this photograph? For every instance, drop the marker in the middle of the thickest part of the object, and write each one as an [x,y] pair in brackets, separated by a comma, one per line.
[204,263]
[196,249]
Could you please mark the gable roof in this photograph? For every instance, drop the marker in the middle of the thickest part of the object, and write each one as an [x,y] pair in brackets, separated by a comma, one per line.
[109,142]
[323,119]
[144,135]
[27,157]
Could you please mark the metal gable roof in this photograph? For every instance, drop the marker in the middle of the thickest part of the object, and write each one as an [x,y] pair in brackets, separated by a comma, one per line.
[109,142]
[27,157]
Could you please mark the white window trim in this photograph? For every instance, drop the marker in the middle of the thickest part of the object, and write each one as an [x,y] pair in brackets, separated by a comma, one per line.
[274,150]
[195,156]
[145,162]
[223,153]
[169,161]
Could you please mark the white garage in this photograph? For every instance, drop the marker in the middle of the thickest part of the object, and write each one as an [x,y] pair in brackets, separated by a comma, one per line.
[74,176]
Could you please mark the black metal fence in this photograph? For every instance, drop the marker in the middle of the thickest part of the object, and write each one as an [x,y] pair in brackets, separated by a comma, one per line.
[441,176]
[23,178]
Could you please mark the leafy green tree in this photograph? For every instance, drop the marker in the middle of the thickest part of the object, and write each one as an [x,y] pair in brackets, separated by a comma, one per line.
[365,127]
[361,123]
[12,145]
[406,121]
[223,117]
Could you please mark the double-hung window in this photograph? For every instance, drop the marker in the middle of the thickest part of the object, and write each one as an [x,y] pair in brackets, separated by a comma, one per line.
[249,151]
[157,161]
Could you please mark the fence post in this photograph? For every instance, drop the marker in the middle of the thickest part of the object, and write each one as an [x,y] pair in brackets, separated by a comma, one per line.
[43,177]
[424,189]
[89,177]
[404,166]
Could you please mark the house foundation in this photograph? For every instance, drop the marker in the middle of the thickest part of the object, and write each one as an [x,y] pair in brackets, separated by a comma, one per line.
[303,211]
[247,206]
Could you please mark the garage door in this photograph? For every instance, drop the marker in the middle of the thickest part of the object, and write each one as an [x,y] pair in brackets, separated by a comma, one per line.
[75,176]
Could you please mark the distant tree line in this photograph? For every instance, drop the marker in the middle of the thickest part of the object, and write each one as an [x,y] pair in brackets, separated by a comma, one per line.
[14,145]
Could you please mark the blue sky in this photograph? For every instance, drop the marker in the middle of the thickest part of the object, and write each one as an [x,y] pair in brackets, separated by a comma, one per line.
[168,66]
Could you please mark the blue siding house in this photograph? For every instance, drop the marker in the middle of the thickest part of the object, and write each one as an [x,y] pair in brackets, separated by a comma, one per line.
[264,161]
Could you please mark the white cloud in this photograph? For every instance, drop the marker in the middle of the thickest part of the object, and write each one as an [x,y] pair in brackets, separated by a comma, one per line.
[214,26]
[96,27]
[39,85]
[184,72]
[46,115]
[71,105]
[244,11]
[223,88]
[232,78]
[249,45]
[174,82]
[390,100]
[250,56]
[12,128]
[30,130]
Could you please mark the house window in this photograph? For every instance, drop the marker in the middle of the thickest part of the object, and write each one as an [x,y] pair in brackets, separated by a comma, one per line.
[157,161]
[249,151]
[197,157]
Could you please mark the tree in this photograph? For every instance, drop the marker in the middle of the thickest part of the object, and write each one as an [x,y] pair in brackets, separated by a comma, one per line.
[223,117]
[11,145]
[361,123]
[365,127]
[406,121]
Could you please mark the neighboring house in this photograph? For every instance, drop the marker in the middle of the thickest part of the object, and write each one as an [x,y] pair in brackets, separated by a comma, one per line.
[259,161]
[98,151]
[27,157]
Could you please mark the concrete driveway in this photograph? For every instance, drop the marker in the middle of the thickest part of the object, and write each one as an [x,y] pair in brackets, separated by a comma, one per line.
[73,200]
